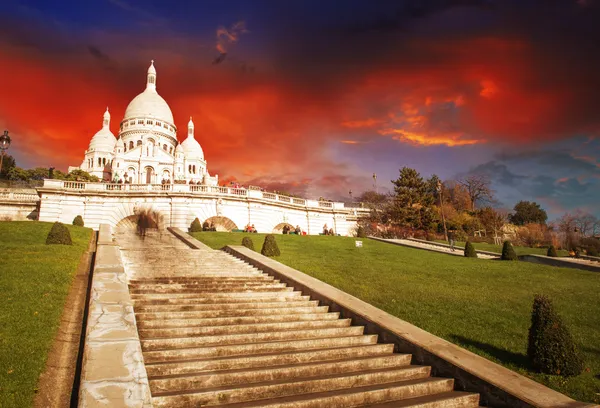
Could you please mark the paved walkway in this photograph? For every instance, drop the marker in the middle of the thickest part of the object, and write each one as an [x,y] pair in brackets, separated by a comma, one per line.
[459,251]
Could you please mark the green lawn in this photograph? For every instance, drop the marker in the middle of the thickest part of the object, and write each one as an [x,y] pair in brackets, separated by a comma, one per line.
[482,305]
[484,246]
[34,281]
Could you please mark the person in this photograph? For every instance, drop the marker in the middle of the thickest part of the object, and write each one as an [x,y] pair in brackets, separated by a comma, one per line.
[325,230]
[253,229]
[451,239]
[331,232]
[298,230]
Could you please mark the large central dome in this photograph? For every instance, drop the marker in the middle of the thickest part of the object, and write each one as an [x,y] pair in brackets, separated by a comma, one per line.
[149,104]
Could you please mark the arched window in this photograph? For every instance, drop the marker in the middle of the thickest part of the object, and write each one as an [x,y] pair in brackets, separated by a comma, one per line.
[171,149]
[140,122]
[158,123]
[194,169]
[104,161]
[165,147]
[151,79]
[190,168]
[99,162]
[132,122]
[131,145]
[139,142]
[148,122]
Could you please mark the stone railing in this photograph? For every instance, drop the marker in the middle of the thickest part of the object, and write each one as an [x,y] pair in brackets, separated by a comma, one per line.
[253,192]
[21,196]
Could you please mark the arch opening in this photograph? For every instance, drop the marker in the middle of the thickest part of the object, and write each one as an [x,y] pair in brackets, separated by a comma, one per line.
[279,228]
[223,224]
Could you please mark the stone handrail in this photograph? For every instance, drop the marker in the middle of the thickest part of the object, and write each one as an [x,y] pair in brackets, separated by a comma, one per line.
[194,188]
[9,195]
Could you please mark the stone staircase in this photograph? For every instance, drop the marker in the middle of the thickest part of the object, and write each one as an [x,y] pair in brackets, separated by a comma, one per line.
[221,333]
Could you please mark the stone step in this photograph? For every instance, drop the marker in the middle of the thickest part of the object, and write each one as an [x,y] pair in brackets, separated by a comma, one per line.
[281,373]
[225,306]
[212,289]
[227,339]
[229,313]
[277,389]
[140,302]
[397,395]
[200,279]
[256,348]
[453,399]
[211,281]
[214,295]
[239,329]
[224,321]
[160,370]
[192,287]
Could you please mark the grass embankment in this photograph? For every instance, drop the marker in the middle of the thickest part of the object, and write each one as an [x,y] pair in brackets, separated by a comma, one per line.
[34,282]
[482,305]
[520,250]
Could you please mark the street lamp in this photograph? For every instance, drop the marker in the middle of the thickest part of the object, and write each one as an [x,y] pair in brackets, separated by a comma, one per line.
[4,144]
[375,182]
[440,190]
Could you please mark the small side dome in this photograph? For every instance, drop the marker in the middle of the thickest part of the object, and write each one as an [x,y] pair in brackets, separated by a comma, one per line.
[191,148]
[104,139]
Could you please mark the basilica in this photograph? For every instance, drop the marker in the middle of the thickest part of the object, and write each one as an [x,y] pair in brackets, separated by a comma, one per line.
[146,150]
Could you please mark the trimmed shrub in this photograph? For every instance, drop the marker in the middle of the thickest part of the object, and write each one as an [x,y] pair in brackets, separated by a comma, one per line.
[361,232]
[78,221]
[508,252]
[591,251]
[205,226]
[195,226]
[470,250]
[552,251]
[247,242]
[550,346]
[270,247]
[59,235]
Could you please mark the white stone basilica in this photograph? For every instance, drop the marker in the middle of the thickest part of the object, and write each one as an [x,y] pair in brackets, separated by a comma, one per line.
[147,150]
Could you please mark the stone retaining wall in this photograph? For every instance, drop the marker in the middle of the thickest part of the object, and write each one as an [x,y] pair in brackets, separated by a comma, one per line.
[113,373]
[498,386]
[563,263]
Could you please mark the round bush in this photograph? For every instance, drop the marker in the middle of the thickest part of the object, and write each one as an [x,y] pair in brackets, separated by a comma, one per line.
[205,226]
[470,250]
[247,242]
[552,251]
[270,247]
[195,225]
[59,235]
[78,221]
[550,346]
[508,252]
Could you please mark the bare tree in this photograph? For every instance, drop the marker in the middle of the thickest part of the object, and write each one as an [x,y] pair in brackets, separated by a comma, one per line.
[585,222]
[478,188]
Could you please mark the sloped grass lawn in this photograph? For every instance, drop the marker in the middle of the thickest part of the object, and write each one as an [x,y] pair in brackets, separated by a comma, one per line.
[520,250]
[34,281]
[482,305]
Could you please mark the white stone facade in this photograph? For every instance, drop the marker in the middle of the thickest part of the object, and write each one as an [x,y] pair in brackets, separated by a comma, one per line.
[147,150]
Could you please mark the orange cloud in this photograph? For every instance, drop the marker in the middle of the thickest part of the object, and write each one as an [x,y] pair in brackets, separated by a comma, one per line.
[368,123]
[422,139]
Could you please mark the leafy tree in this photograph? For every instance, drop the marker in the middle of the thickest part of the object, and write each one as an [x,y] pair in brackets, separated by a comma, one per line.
[552,251]
[478,187]
[413,200]
[270,247]
[59,235]
[526,212]
[78,221]
[8,163]
[550,347]
[248,243]
[195,226]
[508,252]
[470,250]
[80,175]
[377,203]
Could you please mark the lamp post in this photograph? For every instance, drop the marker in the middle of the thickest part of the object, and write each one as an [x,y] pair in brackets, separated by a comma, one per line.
[440,190]
[375,182]
[4,144]
[350,194]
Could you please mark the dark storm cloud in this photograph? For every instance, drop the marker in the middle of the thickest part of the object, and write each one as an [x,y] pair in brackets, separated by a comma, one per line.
[558,159]
[499,173]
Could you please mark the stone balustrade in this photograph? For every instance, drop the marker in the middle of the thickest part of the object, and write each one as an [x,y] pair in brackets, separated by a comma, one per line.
[253,192]
[16,195]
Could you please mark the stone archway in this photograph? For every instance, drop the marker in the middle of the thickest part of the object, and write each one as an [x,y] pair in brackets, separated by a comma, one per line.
[131,221]
[222,223]
[278,229]
[148,174]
